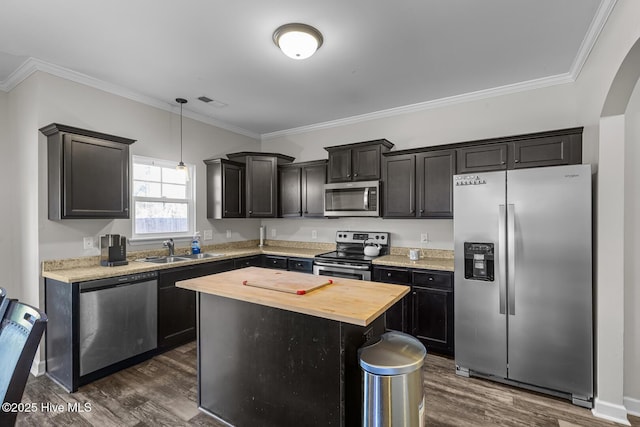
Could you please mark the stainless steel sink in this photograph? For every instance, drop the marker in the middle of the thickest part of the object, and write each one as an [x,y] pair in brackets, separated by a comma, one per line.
[164,260]
[178,258]
[201,256]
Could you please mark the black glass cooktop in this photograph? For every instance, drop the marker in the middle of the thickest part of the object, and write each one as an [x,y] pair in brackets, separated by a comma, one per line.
[346,256]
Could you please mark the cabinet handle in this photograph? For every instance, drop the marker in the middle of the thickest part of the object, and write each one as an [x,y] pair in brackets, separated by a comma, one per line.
[355,174]
[430,279]
[250,212]
[421,210]
[348,175]
[516,161]
[388,274]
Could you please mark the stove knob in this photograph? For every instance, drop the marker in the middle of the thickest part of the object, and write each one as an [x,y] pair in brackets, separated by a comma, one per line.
[377,237]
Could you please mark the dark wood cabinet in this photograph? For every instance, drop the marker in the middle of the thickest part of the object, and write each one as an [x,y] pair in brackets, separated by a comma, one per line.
[274,261]
[427,312]
[434,183]
[432,309]
[225,189]
[250,261]
[419,184]
[356,162]
[482,158]
[302,189]
[177,306]
[303,265]
[562,147]
[261,184]
[88,173]
[399,191]
[397,317]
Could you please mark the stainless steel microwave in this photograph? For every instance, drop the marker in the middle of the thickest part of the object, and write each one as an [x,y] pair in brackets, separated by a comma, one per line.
[352,199]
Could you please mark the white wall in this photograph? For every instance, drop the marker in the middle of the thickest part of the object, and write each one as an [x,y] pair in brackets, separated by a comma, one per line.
[632,253]
[157,134]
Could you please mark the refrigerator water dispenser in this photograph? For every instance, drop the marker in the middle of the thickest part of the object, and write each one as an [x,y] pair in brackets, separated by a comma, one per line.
[478,261]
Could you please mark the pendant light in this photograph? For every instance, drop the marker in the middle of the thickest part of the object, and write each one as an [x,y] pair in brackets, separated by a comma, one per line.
[297,41]
[181,166]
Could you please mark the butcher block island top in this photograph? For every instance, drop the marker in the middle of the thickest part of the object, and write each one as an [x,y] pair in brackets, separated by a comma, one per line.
[358,302]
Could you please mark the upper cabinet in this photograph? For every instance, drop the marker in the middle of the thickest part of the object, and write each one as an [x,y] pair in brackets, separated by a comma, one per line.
[302,189]
[88,173]
[563,147]
[419,184]
[356,162]
[225,189]
[261,185]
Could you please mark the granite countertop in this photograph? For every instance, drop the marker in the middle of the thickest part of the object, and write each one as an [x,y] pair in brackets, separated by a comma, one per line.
[89,268]
[358,302]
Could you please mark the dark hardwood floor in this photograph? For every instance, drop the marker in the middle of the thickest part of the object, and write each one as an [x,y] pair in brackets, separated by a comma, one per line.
[163,392]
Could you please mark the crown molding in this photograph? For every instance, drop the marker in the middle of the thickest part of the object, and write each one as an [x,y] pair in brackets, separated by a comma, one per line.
[31,65]
[428,105]
[599,20]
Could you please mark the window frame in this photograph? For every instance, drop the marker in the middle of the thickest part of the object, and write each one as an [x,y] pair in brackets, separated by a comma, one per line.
[190,200]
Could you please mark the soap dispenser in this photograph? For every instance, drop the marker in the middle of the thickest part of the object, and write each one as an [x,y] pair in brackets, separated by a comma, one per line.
[195,243]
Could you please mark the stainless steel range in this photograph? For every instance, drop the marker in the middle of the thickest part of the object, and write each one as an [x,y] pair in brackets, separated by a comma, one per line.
[349,259]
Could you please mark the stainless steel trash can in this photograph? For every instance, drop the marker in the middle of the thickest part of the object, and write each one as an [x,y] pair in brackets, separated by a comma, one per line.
[392,392]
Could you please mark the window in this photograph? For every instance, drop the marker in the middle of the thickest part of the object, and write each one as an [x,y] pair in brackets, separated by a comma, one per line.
[163,199]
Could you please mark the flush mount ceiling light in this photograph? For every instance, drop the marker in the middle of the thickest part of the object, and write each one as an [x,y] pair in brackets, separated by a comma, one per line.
[181,166]
[297,41]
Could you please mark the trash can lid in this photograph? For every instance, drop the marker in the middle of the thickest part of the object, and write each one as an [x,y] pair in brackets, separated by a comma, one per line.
[396,353]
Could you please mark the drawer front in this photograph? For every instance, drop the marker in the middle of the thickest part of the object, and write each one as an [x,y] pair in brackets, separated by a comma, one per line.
[392,275]
[275,262]
[253,261]
[303,265]
[433,279]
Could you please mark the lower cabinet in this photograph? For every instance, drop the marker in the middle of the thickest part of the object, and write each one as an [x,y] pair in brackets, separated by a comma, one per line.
[427,311]
[177,306]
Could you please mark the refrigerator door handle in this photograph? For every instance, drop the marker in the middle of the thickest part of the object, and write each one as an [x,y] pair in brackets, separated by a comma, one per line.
[502,261]
[511,248]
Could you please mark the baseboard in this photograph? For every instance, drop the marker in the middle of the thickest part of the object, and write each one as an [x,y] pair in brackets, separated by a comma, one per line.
[38,367]
[633,406]
[610,411]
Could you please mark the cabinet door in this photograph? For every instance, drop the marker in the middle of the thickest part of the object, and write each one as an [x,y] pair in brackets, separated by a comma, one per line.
[262,184]
[290,192]
[432,318]
[340,165]
[482,158]
[397,317]
[549,151]
[313,180]
[177,306]
[232,191]
[366,163]
[399,177]
[434,176]
[95,178]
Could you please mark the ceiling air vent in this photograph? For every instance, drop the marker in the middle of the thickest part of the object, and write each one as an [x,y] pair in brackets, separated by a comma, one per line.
[212,102]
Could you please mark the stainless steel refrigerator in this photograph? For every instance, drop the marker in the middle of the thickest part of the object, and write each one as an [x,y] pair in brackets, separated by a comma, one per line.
[523,279]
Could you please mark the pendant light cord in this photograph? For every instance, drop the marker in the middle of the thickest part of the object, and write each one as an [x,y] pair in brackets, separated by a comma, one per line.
[181,132]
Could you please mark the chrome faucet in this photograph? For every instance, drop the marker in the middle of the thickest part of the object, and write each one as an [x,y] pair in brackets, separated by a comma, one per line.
[169,244]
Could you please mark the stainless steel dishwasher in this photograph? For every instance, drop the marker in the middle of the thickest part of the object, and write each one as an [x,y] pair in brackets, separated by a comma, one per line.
[118,319]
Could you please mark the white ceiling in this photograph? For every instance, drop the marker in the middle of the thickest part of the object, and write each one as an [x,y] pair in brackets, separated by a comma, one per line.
[377,54]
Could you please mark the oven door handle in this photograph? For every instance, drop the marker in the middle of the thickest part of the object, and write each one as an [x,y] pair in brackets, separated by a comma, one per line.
[354,267]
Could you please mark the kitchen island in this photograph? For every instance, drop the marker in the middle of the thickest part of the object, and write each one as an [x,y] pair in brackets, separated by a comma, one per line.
[272,358]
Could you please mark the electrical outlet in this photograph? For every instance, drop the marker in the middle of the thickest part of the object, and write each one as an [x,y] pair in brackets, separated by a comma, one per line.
[314,234]
[208,234]
[424,238]
[88,242]
[228,234]
[273,232]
